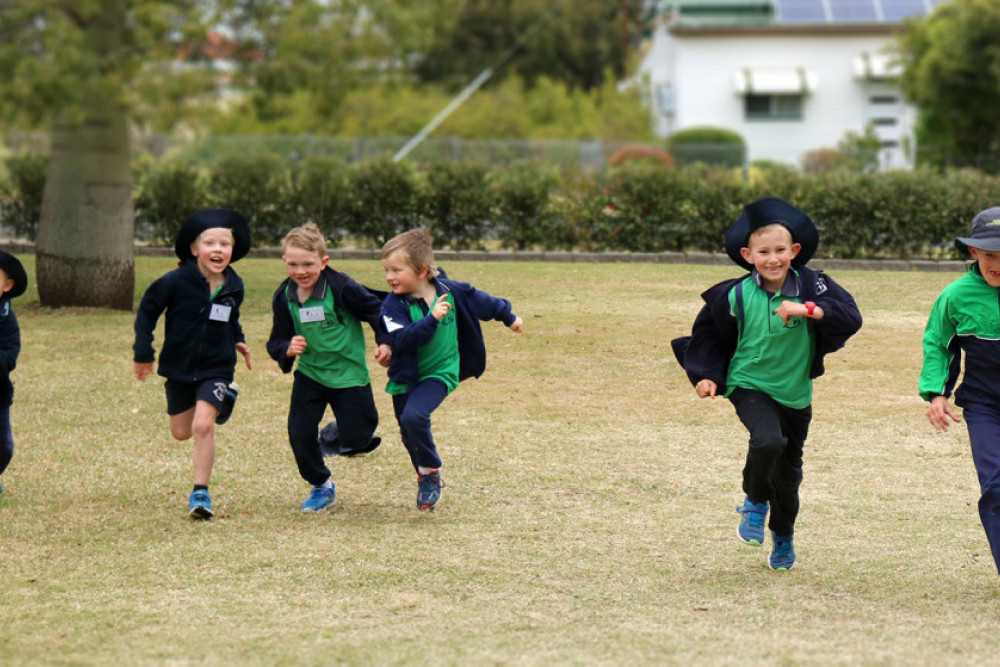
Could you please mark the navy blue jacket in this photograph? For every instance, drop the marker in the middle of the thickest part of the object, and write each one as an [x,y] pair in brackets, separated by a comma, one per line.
[706,353]
[362,302]
[10,347]
[195,348]
[407,337]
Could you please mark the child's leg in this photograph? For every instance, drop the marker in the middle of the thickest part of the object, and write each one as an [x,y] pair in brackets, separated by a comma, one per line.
[180,424]
[786,475]
[6,439]
[308,404]
[984,434]
[761,416]
[356,414]
[413,412]
[203,430]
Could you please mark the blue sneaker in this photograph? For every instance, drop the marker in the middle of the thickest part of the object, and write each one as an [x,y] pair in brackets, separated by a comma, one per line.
[319,499]
[1,488]
[200,505]
[751,528]
[429,490]
[228,403]
[782,553]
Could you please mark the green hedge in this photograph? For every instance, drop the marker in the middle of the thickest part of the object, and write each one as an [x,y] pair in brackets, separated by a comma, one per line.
[638,206]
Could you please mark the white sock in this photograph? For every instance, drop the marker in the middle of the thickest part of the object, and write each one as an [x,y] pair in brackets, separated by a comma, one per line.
[326,485]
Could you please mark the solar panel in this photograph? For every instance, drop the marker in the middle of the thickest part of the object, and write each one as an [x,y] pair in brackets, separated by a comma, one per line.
[795,11]
[853,10]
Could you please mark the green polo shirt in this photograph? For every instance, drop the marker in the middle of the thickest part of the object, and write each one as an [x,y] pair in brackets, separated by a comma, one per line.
[335,342]
[438,358]
[772,356]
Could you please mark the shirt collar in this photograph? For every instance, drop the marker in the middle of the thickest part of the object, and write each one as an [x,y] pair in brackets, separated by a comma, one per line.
[318,293]
[791,288]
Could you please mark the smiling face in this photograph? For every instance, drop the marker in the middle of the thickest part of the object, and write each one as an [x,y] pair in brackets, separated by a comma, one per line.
[304,267]
[401,277]
[213,249]
[771,251]
[6,282]
[989,264]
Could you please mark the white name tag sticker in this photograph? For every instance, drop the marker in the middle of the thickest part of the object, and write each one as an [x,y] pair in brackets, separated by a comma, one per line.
[220,313]
[313,314]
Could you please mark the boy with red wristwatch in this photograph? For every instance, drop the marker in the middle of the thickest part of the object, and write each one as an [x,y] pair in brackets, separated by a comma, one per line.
[759,340]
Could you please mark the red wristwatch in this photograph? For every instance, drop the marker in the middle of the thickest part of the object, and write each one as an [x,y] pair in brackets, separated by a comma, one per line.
[810,307]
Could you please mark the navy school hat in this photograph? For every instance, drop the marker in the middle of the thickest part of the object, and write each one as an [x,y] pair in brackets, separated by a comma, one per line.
[985,232]
[207,219]
[766,211]
[15,271]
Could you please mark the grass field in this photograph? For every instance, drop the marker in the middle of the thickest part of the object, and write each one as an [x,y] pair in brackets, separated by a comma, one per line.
[588,516]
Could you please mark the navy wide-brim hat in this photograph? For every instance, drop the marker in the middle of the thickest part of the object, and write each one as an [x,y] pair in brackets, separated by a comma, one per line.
[985,232]
[15,271]
[767,211]
[208,219]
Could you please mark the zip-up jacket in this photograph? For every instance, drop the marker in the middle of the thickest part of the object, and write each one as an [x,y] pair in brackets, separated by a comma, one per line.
[706,353]
[362,302]
[10,347]
[407,337]
[965,316]
[200,335]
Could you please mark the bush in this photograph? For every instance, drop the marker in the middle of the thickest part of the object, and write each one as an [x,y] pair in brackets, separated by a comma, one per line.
[168,194]
[320,193]
[21,203]
[650,154]
[256,186]
[385,199]
[459,204]
[523,215]
[710,145]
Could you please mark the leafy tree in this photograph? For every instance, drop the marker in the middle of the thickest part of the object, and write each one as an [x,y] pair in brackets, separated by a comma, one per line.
[951,73]
[89,70]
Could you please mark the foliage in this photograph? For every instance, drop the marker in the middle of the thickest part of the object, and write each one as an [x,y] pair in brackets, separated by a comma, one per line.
[523,217]
[951,73]
[713,145]
[255,186]
[21,199]
[857,152]
[459,203]
[320,194]
[650,154]
[168,192]
[386,199]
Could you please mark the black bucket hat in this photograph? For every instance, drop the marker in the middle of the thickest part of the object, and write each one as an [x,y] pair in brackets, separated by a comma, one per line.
[767,211]
[208,219]
[985,232]
[15,271]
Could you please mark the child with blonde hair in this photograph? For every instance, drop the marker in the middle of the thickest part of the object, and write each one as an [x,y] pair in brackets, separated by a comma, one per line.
[317,316]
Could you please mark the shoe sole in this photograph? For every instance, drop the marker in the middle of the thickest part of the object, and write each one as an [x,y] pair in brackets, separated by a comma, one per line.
[201,513]
[310,510]
[781,569]
[749,543]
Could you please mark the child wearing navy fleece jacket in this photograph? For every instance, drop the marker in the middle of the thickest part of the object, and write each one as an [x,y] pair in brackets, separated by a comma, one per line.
[436,341]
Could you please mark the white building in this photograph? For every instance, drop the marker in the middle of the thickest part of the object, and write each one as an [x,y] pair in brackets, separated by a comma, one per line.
[790,76]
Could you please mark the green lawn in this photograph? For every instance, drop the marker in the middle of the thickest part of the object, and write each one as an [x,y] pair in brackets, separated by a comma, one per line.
[588,516]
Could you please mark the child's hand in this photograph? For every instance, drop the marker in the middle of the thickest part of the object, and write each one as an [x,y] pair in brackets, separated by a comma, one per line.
[441,307]
[517,326]
[142,370]
[296,346]
[244,349]
[706,388]
[939,413]
[789,309]
[383,353]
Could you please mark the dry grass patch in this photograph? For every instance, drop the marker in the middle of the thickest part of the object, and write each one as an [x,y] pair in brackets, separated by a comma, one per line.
[588,516]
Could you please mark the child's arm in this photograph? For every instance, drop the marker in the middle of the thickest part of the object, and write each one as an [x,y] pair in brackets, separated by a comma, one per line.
[10,342]
[152,305]
[402,333]
[940,412]
[839,315]
[489,307]
[365,305]
[280,342]
[941,366]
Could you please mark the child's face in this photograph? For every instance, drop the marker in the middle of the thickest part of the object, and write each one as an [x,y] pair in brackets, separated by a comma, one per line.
[401,277]
[304,266]
[989,264]
[213,249]
[771,252]
[6,283]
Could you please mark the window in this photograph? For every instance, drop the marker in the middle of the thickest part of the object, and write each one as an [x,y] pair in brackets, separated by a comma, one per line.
[773,107]
[883,99]
[884,122]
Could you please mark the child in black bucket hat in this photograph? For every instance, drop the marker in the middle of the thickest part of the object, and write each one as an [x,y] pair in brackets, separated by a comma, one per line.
[202,335]
[13,282]
[759,340]
[966,317]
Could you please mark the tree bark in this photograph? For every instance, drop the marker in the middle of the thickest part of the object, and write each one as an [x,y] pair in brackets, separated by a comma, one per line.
[84,250]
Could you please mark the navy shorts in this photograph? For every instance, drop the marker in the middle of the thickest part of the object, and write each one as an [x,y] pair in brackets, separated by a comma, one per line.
[182,396]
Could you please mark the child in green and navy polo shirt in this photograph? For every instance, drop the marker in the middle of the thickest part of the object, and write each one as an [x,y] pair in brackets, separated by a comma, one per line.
[433,328]
[759,340]
[317,315]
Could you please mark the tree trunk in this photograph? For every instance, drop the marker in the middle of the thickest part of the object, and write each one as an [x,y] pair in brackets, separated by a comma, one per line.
[84,250]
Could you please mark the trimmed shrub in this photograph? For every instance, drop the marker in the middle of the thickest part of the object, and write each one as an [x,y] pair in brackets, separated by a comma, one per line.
[321,193]
[459,203]
[385,199]
[168,194]
[710,145]
[523,217]
[256,186]
[21,203]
